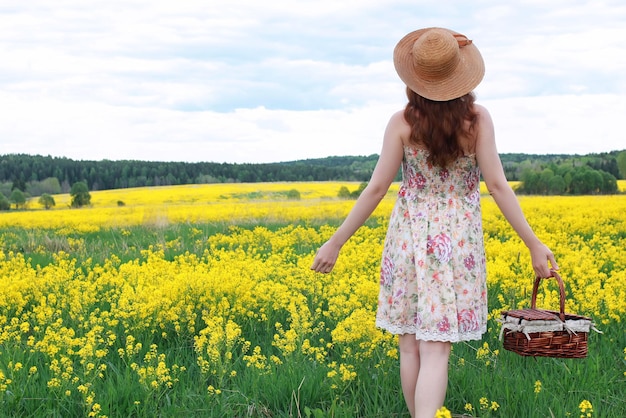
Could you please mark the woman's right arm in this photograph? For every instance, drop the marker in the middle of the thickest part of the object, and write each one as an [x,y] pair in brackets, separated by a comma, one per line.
[499,188]
[382,177]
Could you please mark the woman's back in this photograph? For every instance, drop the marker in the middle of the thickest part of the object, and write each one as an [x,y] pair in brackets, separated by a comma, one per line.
[461,178]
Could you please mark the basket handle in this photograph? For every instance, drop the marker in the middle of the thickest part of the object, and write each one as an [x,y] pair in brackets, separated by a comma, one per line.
[533,303]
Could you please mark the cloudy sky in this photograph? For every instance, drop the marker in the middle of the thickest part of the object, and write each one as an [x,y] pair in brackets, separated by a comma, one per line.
[268,81]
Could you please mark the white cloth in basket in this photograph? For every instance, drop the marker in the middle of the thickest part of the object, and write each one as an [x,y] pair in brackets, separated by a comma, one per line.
[573,326]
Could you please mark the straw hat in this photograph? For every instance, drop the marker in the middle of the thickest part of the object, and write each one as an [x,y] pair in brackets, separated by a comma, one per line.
[438,64]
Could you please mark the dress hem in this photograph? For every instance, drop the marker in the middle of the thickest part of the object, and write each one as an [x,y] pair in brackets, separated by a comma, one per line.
[432,336]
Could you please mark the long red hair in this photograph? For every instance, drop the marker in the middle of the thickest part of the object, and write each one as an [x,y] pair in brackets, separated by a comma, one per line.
[440,126]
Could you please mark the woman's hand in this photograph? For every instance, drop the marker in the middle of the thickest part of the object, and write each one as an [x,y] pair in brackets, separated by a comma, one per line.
[325,258]
[541,255]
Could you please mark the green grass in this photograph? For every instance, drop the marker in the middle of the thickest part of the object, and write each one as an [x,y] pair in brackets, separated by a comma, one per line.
[298,385]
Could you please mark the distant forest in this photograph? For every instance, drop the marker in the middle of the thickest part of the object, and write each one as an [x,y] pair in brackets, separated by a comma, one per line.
[36,174]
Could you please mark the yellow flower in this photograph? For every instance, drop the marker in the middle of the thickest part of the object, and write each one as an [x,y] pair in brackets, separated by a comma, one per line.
[538,386]
[484,403]
[54,383]
[586,409]
[347,372]
[96,408]
[393,353]
[213,391]
[443,412]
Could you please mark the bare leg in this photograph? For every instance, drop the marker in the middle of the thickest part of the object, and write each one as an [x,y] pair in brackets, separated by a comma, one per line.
[432,381]
[409,368]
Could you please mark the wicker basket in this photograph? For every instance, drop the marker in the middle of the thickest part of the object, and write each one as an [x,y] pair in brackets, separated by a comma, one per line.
[544,333]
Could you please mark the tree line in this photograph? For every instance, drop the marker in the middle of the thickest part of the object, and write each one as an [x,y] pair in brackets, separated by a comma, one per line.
[563,180]
[36,175]
[22,169]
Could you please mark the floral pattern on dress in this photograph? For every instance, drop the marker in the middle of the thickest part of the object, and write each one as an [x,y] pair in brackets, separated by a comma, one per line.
[433,275]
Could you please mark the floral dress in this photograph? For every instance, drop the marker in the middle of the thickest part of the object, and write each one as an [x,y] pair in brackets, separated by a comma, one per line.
[433,275]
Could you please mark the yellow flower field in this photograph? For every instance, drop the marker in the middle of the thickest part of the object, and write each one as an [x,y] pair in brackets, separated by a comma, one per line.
[121,310]
[231,203]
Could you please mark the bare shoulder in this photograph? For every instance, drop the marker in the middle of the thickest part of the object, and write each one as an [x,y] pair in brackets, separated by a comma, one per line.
[482,113]
[484,125]
[398,125]
[398,118]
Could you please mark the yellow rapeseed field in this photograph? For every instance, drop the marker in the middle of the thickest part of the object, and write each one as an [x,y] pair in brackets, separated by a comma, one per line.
[214,291]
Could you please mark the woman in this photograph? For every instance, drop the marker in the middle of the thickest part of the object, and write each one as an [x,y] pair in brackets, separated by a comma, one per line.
[433,280]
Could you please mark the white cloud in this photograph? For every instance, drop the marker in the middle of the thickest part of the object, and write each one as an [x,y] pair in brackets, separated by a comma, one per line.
[246,81]
[559,124]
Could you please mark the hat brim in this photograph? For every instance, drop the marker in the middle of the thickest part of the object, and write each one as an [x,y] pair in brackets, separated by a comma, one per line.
[465,77]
